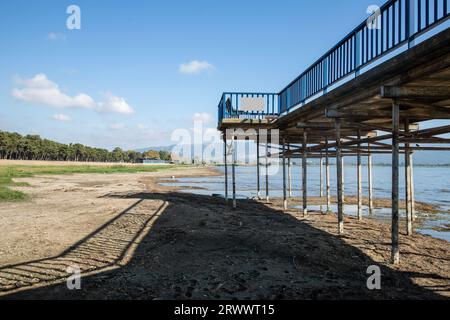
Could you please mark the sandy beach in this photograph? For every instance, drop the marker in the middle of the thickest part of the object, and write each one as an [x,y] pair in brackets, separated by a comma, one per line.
[135,239]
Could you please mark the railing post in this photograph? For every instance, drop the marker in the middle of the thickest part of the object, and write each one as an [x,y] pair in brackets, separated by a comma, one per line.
[410,22]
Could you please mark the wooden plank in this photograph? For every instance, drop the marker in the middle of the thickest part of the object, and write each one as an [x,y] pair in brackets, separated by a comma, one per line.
[339,179]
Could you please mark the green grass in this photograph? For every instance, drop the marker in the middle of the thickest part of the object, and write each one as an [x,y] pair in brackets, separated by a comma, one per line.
[9,172]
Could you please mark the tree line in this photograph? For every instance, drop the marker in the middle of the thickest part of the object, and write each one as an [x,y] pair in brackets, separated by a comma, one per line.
[14,146]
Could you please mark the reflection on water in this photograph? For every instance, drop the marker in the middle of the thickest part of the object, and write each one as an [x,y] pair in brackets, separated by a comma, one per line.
[432,185]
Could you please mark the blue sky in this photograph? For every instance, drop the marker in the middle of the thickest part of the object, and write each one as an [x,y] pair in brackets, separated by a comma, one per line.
[137,70]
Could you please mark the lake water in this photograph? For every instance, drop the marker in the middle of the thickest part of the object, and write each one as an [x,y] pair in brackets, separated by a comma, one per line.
[432,185]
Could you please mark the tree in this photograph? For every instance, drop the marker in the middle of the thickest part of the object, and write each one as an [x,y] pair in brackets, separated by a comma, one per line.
[33,147]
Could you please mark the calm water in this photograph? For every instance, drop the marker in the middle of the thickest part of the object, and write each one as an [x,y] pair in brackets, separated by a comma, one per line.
[432,185]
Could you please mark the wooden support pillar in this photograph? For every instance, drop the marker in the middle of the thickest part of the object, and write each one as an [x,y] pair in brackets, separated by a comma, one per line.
[321,176]
[327,178]
[267,171]
[339,169]
[304,174]
[233,169]
[225,156]
[258,175]
[289,175]
[369,179]
[395,252]
[359,177]
[409,226]
[285,202]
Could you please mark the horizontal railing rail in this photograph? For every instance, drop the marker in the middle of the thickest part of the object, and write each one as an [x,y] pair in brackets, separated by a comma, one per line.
[396,24]
[232,105]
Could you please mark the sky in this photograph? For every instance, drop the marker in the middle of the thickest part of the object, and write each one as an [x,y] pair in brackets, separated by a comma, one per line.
[138,70]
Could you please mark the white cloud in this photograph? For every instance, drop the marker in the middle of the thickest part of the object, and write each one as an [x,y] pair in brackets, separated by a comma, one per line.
[61,117]
[195,67]
[55,36]
[117,126]
[203,117]
[41,90]
[114,104]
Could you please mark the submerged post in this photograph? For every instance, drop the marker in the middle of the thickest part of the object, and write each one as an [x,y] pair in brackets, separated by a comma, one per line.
[285,203]
[395,253]
[267,171]
[225,156]
[359,177]
[258,187]
[409,226]
[327,178]
[304,175]
[289,174]
[339,178]
[369,178]
[234,142]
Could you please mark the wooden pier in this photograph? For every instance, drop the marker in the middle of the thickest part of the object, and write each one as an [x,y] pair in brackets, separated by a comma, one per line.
[358,100]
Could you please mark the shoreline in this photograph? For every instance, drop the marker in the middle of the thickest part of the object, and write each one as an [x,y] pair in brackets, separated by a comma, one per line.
[254,252]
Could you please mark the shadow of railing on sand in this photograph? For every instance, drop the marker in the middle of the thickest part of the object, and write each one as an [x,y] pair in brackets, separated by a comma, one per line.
[199,248]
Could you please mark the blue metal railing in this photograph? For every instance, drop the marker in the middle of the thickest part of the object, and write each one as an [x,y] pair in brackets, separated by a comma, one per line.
[398,23]
[230,106]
